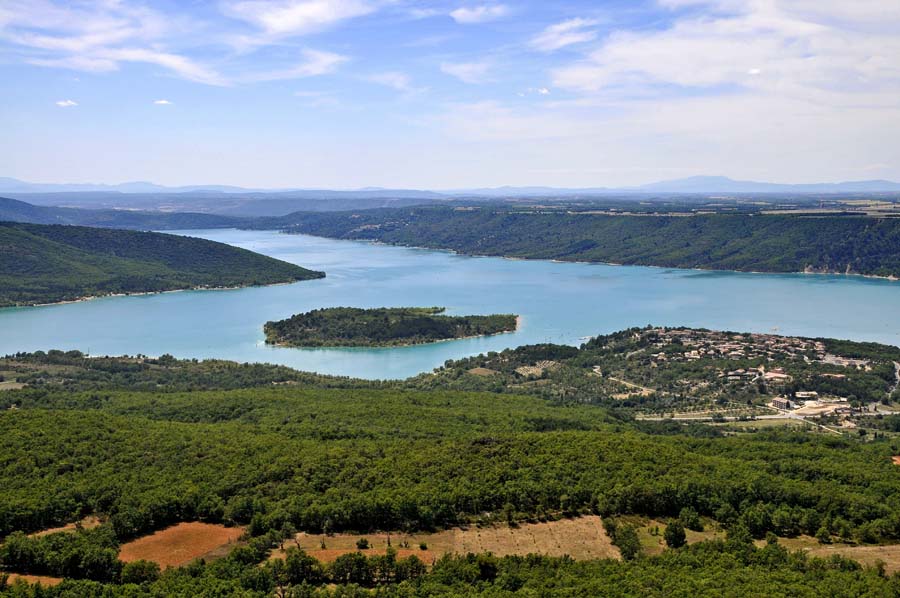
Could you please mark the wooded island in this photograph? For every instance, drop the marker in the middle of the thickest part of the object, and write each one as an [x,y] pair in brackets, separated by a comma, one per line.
[381,327]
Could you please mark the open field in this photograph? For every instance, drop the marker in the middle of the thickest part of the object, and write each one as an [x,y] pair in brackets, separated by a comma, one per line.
[580,538]
[89,522]
[655,544]
[180,544]
[889,554]
[44,580]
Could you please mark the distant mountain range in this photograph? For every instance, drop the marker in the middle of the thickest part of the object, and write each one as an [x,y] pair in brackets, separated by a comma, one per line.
[695,184]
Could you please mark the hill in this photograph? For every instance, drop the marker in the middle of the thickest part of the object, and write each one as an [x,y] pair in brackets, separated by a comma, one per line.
[142,444]
[13,210]
[381,327]
[743,242]
[50,263]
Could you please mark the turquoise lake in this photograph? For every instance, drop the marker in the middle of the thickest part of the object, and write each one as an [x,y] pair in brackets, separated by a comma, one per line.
[558,302]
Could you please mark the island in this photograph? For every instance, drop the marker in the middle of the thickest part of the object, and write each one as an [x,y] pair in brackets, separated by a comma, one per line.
[381,327]
[54,263]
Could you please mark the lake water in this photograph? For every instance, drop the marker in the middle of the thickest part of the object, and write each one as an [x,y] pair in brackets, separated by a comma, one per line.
[558,302]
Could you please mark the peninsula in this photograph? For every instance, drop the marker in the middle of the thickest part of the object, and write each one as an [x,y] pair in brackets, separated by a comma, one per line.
[53,263]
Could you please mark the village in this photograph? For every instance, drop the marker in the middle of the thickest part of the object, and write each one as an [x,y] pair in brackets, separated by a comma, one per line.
[793,404]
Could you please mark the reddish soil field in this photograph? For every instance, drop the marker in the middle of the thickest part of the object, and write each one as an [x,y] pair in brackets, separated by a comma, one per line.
[180,544]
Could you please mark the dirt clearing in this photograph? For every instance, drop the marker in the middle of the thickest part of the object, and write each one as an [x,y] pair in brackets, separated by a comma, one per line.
[180,544]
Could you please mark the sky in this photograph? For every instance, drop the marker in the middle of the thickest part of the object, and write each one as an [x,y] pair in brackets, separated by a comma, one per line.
[448,94]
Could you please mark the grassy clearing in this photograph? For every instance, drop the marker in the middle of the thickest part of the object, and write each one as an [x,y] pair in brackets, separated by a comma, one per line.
[44,580]
[89,522]
[581,538]
[653,544]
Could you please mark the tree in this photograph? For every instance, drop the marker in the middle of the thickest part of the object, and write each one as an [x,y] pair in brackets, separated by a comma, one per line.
[674,535]
[140,572]
[627,540]
[690,519]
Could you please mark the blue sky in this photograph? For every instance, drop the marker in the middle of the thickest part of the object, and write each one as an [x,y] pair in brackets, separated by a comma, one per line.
[404,93]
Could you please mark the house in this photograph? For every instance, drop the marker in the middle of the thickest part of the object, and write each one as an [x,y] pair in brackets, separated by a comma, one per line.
[781,403]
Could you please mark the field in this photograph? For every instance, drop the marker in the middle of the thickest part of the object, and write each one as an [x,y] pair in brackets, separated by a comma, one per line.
[44,580]
[87,523]
[180,544]
[581,538]
[654,544]
[889,554]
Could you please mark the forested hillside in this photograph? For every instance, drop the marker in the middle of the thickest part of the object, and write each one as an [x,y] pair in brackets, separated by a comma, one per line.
[130,441]
[45,264]
[384,326]
[746,242]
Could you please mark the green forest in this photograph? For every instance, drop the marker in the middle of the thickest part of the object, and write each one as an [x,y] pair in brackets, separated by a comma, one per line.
[380,327]
[145,443]
[744,242]
[51,263]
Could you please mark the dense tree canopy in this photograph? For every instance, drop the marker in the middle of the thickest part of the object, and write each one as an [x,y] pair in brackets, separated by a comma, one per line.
[383,326]
[45,264]
[747,242]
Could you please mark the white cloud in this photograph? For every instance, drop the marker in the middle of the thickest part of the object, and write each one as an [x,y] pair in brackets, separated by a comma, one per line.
[182,66]
[790,53]
[396,80]
[541,91]
[162,102]
[468,15]
[66,103]
[316,62]
[296,17]
[566,33]
[467,72]
[97,37]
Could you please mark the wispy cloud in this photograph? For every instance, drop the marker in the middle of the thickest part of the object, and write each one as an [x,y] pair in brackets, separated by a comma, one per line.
[468,15]
[288,18]
[315,63]
[162,102]
[467,72]
[764,47]
[97,37]
[66,103]
[102,36]
[566,33]
[395,80]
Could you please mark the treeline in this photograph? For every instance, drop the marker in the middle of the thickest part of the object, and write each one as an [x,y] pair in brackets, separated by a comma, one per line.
[745,242]
[384,326]
[734,567]
[41,371]
[44,264]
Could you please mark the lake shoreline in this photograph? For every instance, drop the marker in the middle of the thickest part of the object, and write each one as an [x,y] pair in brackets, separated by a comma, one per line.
[144,293]
[890,277]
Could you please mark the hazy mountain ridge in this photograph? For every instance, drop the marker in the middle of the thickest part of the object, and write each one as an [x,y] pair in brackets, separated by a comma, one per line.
[693,184]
